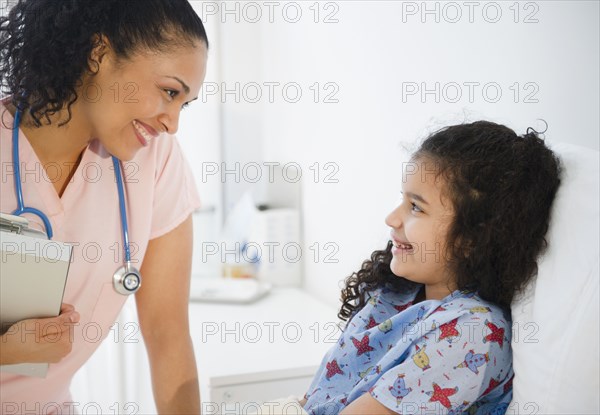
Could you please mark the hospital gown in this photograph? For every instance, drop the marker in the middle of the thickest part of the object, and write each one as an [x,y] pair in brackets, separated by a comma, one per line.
[448,356]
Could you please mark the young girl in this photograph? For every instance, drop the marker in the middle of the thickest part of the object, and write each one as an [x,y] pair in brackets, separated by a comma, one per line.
[429,325]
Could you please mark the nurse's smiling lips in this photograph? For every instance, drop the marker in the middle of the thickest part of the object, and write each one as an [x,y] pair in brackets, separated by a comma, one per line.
[144,132]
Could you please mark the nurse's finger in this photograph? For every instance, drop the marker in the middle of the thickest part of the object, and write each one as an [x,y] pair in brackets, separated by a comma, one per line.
[66,307]
[56,325]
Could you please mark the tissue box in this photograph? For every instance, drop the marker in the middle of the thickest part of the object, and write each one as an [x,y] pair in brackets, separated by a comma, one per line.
[275,241]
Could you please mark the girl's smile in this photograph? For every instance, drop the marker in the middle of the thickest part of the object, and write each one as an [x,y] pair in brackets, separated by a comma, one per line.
[419,228]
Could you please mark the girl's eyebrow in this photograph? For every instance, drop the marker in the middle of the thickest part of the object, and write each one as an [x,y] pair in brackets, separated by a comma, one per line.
[416,197]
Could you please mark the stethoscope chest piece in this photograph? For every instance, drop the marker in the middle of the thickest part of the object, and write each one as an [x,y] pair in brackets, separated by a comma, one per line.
[127,280]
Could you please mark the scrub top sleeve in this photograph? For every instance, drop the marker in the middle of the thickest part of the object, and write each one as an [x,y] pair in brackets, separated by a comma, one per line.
[451,366]
[175,192]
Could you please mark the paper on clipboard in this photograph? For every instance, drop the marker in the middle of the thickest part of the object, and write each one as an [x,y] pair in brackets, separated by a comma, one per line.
[33,274]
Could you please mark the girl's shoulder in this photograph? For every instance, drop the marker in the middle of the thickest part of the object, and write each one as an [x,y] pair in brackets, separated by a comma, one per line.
[470,304]
[460,310]
[458,302]
[467,316]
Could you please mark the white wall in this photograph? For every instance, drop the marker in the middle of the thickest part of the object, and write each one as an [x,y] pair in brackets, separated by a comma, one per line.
[373,51]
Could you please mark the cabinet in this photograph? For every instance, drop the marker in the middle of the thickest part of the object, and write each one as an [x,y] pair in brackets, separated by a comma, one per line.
[247,354]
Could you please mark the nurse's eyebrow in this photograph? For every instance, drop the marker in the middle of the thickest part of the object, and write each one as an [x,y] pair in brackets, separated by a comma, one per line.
[183,84]
[416,197]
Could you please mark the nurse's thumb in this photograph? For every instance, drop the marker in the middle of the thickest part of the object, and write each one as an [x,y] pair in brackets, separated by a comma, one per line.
[74,318]
[69,317]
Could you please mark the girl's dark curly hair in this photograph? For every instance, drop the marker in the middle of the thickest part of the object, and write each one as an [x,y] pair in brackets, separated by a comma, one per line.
[502,187]
[45,44]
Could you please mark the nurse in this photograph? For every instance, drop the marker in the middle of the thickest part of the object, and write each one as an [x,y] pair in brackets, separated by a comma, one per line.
[95,79]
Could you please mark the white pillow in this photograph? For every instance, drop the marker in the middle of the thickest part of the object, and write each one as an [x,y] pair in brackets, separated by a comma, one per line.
[555,323]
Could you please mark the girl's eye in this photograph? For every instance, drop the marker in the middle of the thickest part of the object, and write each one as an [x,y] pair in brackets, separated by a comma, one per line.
[184,106]
[415,207]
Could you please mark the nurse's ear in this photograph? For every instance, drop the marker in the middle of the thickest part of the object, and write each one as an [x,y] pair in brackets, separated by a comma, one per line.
[100,49]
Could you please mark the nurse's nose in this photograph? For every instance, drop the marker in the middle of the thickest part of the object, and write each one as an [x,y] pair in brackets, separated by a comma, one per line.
[394,218]
[170,119]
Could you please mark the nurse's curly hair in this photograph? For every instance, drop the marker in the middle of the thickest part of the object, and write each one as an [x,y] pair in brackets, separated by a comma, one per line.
[502,187]
[45,45]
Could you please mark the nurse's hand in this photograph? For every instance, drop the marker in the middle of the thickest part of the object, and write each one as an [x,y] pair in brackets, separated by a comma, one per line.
[41,340]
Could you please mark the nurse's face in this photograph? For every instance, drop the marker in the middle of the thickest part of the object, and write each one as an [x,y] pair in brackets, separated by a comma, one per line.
[128,104]
[419,227]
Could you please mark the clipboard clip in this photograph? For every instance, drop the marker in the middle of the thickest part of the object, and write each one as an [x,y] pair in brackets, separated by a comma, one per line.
[18,225]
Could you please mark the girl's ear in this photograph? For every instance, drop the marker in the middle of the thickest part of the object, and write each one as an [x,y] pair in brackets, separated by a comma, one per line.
[468,250]
[466,246]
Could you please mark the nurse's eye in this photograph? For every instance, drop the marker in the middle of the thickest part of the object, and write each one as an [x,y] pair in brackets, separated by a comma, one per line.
[172,93]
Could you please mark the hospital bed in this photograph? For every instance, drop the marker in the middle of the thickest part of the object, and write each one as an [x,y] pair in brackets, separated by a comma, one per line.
[555,322]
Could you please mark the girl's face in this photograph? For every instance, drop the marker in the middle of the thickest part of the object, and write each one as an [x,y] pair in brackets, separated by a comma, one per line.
[419,228]
[129,105]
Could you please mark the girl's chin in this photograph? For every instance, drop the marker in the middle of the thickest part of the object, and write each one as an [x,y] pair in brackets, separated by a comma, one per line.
[399,272]
[399,265]
[400,269]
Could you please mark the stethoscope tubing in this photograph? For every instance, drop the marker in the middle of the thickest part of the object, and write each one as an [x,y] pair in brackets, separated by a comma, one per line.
[21,208]
[122,209]
[18,189]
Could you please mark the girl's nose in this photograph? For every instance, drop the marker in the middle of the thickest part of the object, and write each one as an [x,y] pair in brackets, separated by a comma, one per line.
[394,218]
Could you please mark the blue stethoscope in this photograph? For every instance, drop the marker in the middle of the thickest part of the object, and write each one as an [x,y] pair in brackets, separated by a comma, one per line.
[127,279]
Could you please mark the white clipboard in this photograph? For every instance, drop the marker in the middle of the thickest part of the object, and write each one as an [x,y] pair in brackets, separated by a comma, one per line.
[33,274]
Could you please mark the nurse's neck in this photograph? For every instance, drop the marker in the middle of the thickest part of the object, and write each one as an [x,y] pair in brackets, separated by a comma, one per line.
[52,143]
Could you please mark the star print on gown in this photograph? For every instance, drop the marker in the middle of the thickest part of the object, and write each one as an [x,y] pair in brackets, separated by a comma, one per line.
[440,308]
[493,383]
[403,307]
[508,385]
[333,369]
[362,346]
[372,323]
[497,334]
[441,394]
[449,330]
[402,363]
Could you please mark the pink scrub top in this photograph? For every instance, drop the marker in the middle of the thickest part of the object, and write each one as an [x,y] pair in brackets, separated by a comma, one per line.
[161,194]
